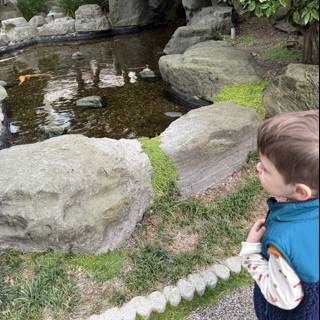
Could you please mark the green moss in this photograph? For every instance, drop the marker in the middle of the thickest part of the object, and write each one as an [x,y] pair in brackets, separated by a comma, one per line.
[240,40]
[244,94]
[281,52]
[101,267]
[163,169]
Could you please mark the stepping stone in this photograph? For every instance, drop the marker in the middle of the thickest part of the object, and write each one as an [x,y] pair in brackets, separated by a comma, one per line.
[173,295]
[221,271]
[172,114]
[186,289]
[142,306]
[198,282]
[210,278]
[234,264]
[158,301]
[128,312]
[91,102]
[111,314]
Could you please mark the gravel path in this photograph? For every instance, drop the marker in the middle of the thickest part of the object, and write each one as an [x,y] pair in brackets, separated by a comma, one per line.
[238,305]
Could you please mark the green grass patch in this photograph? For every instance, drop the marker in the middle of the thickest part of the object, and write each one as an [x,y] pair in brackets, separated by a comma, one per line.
[100,267]
[281,52]
[245,40]
[211,297]
[47,286]
[163,168]
[30,8]
[245,94]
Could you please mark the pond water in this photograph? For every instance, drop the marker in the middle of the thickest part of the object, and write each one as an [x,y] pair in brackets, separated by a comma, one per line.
[133,109]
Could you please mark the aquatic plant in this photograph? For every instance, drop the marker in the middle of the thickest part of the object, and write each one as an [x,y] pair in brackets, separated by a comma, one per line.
[30,8]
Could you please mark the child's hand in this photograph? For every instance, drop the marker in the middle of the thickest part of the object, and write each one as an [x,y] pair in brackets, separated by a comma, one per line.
[257,231]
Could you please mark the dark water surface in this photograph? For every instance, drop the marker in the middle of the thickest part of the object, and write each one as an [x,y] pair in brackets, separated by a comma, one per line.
[133,110]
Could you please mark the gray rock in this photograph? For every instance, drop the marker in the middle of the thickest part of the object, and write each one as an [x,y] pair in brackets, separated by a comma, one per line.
[147,73]
[90,17]
[187,36]
[297,89]
[3,83]
[207,67]
[172,114]
[172,295]
[37,21]
[58,26]
[210,278]
[186,289]
[4,40]
[158,301]
[142,305]
[48,132]
[3,93]
[77,55]
[198,282]
[234,264]
[111,314]
[210,143]
[73,194]
[124,13]
[128,312]
[18,29]
[221,271]
[91,102]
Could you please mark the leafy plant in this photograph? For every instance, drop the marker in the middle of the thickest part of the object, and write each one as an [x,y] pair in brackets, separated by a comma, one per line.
[30,8]
[302,14]
[69,7]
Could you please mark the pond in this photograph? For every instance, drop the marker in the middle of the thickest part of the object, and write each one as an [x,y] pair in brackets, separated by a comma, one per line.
[133,109]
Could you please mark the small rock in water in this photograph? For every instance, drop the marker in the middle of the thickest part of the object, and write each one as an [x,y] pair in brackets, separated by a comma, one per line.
[173,114]
[3,93]
[50,132]
[147,73]
[77,55]
[91,102]
[3,83]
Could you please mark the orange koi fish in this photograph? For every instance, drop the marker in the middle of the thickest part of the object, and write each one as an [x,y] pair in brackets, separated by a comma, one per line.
[26,77]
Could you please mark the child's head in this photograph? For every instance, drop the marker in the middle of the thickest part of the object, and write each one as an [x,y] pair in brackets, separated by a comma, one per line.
[288,145]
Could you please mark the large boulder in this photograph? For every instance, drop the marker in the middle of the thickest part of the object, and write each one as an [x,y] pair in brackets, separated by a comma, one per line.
[90,17]
[209,144]
[206,68]
[18,29]
[124,13]
[187,36]
[59,26]
[72,193]
[207,24]
[297,89]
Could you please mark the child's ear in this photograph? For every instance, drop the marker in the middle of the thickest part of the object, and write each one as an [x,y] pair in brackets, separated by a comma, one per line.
[302,192]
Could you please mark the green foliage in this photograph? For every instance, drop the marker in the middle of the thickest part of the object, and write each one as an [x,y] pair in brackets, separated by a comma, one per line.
[30,8]
[101,267]
[301,12]
[281,52]
[163,168]
[245,94]
[48,286]
[69,7]
[117,298]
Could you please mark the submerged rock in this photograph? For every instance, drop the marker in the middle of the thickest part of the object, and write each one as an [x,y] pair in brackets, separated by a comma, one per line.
[48,132]
[77,55]
[74,194]
[173,114]
[91,102]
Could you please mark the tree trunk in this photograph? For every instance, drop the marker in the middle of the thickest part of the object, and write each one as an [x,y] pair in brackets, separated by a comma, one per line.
[311,44]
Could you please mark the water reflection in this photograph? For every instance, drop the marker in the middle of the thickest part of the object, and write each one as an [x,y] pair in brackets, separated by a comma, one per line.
[133,109]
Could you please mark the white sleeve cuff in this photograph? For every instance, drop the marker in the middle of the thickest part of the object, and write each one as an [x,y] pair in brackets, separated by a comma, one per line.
[250,248]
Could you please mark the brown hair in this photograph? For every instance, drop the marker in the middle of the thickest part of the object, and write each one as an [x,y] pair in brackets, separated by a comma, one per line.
[291,142]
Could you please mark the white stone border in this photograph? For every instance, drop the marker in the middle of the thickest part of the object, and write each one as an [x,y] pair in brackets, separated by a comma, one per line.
[173,295]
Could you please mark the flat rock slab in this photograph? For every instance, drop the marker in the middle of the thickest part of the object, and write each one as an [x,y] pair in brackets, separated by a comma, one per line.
[209,144]
[205,68]
[72,193]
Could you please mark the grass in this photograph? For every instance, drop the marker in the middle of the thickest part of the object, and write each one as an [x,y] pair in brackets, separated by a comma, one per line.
[31,284]
[245,40]
[281,52]
[100,267]
[163,169]
[245,94]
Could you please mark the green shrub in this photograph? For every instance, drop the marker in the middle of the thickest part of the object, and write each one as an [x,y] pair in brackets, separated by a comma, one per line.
[30,8]
[69,7]
[281,52]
